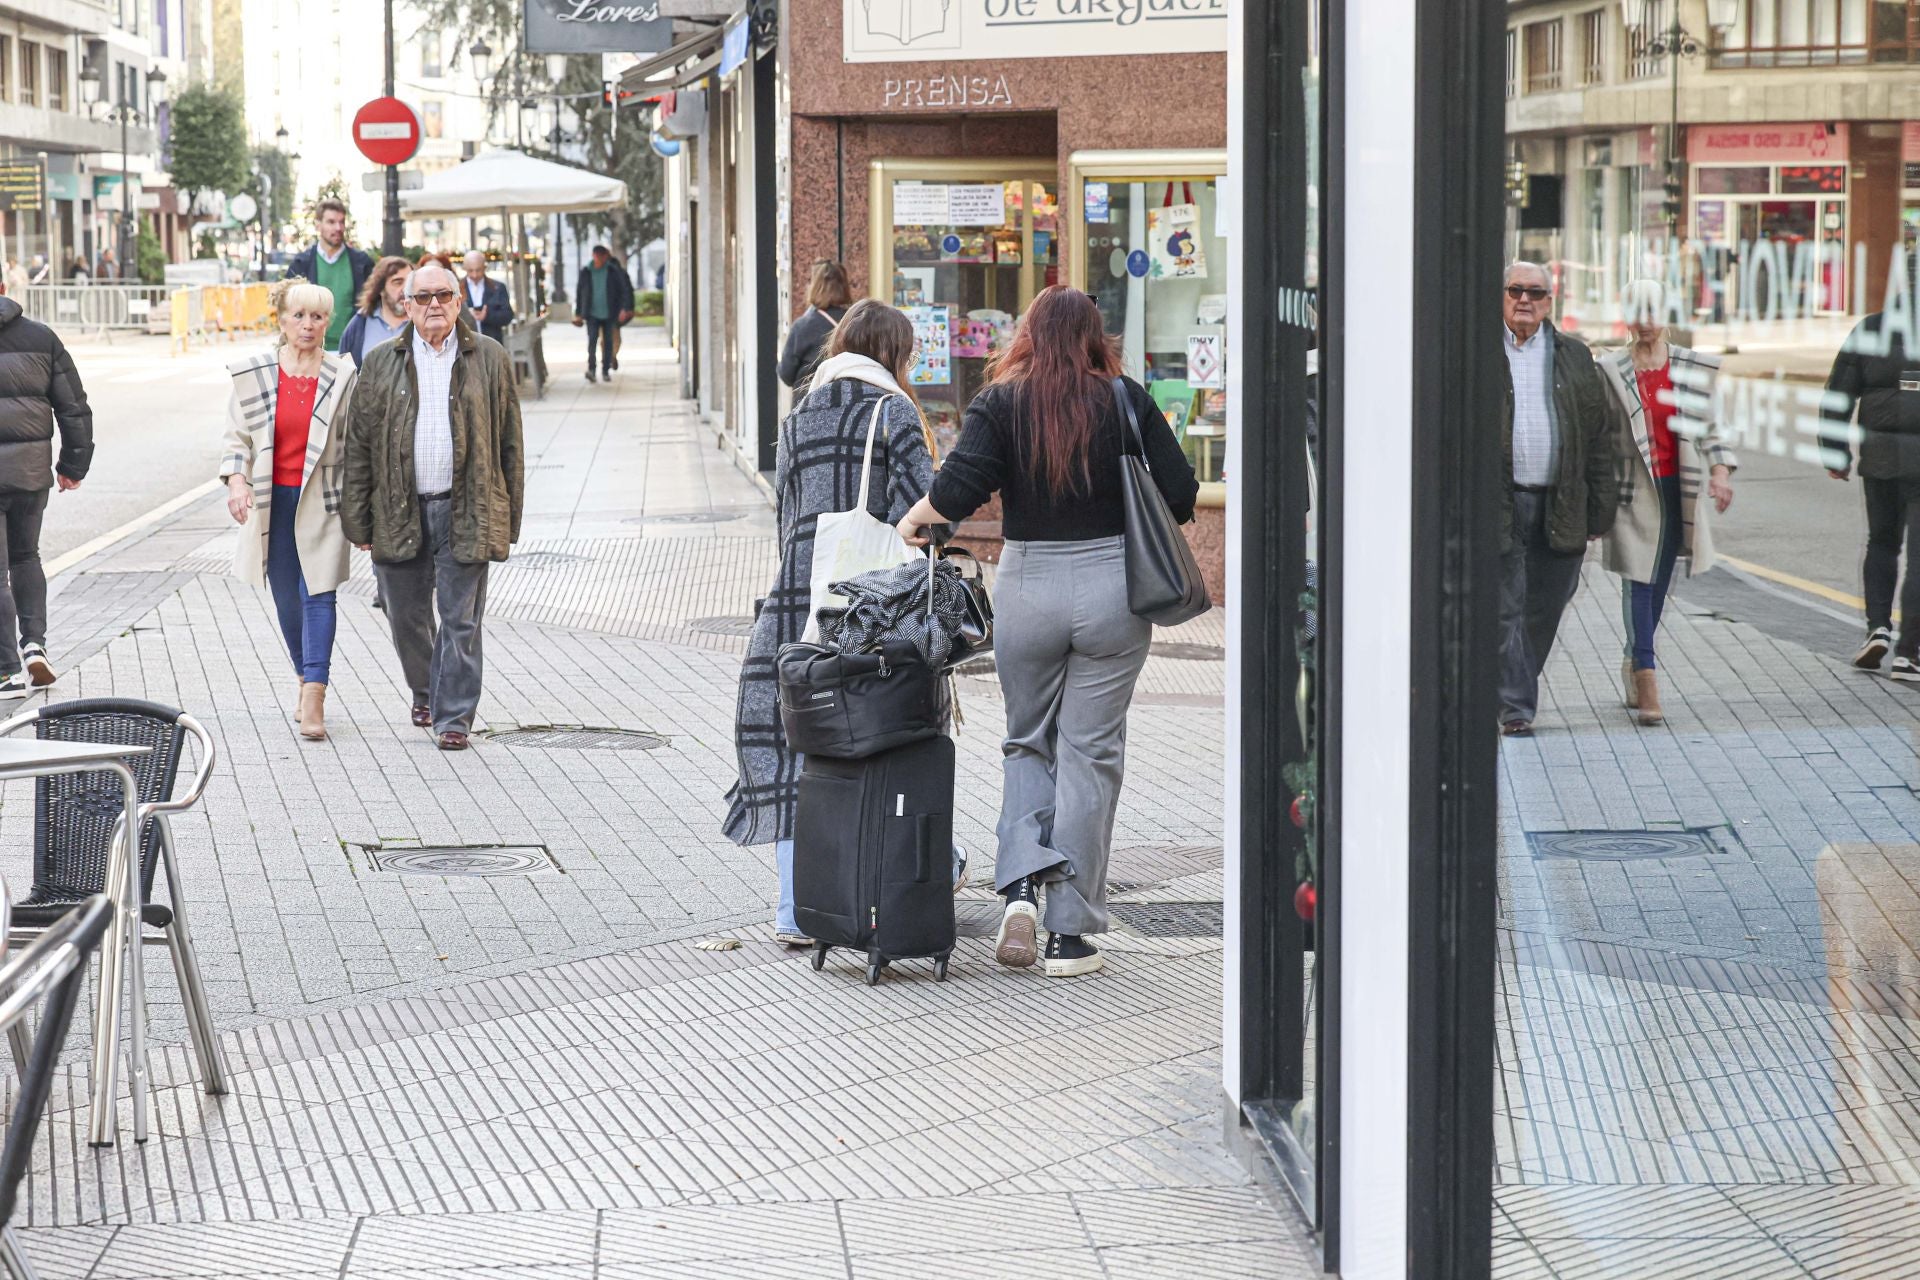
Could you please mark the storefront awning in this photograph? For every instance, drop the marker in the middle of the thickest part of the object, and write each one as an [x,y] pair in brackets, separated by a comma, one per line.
[656,74]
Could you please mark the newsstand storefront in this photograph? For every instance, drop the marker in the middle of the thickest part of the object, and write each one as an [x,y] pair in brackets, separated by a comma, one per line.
[1627,986]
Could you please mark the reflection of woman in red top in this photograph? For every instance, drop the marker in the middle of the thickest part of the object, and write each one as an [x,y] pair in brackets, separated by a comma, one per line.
[1670,446]
[281,462]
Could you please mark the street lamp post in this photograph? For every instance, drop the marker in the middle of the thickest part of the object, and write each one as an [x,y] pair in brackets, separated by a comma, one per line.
[1673,43]
[93,86]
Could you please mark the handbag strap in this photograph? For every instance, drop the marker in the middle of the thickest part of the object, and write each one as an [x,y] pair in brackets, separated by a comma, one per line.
[1125,402]
[866,459]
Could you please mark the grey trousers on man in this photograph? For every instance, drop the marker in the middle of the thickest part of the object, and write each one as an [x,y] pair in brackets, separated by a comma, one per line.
[441,664]
[1069,653]
[1536,586]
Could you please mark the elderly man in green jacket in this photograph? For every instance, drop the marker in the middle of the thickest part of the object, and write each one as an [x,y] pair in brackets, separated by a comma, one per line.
[1563,483]
[434,488]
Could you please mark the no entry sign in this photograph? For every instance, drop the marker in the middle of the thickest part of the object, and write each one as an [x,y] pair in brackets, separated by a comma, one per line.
[387,131]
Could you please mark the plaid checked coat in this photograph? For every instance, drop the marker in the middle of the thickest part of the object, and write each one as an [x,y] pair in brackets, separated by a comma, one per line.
[817,470]
[1633,544]
[247,449]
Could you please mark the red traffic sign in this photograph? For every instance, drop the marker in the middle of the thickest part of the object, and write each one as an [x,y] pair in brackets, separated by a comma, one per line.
[387,131]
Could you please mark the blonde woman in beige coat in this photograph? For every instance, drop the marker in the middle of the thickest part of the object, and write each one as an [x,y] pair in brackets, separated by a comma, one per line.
[1678,477]
[281,463]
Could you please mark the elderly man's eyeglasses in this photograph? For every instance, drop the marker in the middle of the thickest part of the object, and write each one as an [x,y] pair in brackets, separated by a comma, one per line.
[1529,292]
[440,296]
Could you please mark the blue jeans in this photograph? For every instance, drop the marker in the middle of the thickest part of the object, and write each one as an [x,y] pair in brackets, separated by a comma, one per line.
[307,621]
[1643,601]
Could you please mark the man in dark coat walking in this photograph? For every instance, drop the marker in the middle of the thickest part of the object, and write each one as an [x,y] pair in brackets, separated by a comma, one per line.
[335,266]
[483,300]
[39,391]
[1563,488]
[602,301]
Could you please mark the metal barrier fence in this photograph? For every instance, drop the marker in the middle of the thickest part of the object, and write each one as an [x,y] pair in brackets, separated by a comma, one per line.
[95,306]
[186,313]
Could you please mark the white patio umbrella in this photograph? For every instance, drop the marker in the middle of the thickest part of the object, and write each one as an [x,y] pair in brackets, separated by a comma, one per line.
[509,181]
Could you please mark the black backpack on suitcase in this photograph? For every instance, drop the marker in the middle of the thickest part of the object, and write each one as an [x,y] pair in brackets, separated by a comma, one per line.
[873,855]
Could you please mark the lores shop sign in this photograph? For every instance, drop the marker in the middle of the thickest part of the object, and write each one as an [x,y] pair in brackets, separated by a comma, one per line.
[948,30]
[596,26]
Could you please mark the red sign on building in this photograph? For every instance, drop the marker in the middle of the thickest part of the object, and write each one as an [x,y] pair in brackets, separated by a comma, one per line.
[387,131]
[1766,143]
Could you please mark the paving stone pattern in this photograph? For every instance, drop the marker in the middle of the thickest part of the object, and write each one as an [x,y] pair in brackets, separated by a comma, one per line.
[540,1076]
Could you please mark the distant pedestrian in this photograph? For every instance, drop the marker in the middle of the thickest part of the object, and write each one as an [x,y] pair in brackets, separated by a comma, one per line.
[43,392]
[828,297]
[817,470]
[434,489]
[107,270]
[335,266]
[1873,377]
[603,300]
[283,445]
[1670,443]
[1047,434]
[484,299]
[77,269]
[16,278]
[1561,487]
[383,310]
[42,270]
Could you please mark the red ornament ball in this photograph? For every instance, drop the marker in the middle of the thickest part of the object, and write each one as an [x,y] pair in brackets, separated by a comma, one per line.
[1297,814]
[1305,900]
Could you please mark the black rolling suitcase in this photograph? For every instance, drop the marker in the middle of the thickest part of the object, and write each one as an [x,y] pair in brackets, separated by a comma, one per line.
[873,855]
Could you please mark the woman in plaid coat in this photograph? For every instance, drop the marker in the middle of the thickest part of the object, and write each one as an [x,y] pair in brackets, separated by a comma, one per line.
[1678,475]
[280,459]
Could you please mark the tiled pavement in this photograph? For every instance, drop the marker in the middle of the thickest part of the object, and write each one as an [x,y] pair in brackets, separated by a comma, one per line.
[539,1075]
[1708,1047]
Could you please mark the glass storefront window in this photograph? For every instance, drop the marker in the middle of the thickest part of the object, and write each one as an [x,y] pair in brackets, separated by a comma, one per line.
[1152,251]
[961,248]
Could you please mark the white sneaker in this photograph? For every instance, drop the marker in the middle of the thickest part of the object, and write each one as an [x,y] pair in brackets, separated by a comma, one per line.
[1879,640]
[39,671]
[15,687]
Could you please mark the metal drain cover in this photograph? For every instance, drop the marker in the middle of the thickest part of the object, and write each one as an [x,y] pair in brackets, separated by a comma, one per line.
[547,559]
[1170,919]
[1622,846]
[580,737]
[694,517]
[464,860]
[1184,652]
[723,625]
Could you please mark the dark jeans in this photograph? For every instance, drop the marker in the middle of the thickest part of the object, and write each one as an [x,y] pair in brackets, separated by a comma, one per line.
[600,334]
[1536,585]
[307,621]
[1643,601]
[23,591]
[441,664]
[1893,513]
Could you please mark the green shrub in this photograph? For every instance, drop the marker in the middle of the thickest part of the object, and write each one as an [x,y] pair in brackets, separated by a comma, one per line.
[649,302]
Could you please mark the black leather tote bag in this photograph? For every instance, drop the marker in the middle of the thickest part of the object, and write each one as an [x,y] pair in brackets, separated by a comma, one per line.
[848,706]
[1164,585]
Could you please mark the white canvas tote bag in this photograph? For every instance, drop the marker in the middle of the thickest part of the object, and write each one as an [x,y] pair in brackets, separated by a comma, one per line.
[849,543]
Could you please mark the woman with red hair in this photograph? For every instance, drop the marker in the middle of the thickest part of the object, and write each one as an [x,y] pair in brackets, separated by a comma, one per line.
[1046,434]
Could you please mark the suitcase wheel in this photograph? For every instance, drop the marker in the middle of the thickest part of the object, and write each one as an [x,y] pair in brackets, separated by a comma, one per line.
[940,967]
[873,972]
[820,950]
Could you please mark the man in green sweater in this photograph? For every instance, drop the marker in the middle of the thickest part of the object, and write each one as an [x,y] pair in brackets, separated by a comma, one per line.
[335,266]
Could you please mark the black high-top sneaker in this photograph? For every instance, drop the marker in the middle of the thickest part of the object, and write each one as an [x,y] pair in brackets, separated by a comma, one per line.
[1069,955]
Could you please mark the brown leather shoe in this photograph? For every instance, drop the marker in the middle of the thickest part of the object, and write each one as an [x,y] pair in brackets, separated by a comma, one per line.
[453,740]
[1647,697]
[313,711]
[422,716]
[1517,728]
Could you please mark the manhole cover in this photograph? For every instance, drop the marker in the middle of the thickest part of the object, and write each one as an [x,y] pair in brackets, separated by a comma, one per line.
[692,517]
[464,860]
[579,737]
[546,559]
[730,624]
[1622,846]
[1184,652]
[1169,919]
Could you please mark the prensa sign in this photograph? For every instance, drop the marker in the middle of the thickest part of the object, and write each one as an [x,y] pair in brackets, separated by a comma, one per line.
[948,30]
[596,26]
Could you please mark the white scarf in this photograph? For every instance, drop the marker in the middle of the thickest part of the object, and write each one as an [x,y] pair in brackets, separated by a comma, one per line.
[858,367]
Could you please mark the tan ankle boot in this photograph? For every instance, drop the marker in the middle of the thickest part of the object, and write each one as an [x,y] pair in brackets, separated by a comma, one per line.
[1627,689]
[1646,690]
[313,711]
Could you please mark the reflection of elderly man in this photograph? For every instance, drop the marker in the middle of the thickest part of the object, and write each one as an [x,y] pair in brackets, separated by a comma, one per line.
[434,490]
[1562,488]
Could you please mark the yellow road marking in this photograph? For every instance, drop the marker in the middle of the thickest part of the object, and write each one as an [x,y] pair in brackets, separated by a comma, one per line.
[1800,584]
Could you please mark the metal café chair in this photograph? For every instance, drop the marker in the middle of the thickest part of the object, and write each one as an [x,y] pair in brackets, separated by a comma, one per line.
[53,968]
[77,823]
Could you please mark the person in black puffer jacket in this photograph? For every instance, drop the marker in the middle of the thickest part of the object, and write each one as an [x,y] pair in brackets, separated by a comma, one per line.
[39,390]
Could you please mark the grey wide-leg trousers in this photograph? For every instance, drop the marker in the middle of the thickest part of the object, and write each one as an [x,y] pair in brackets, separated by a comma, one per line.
[442,664]
[1068,653]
